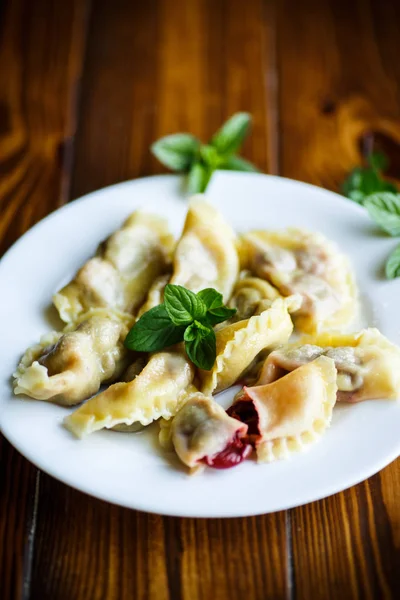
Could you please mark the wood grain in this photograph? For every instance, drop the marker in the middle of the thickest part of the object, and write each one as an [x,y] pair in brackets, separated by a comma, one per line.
[322,81]
[146,77]
[341,95]
[40,46]
[338,84]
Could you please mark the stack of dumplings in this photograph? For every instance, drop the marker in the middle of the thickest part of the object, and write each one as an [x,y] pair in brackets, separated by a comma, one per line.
[280,283]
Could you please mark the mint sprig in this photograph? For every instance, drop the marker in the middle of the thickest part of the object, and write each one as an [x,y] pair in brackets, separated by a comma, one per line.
[368,179]
[184,317]
[366,186]
[185,153]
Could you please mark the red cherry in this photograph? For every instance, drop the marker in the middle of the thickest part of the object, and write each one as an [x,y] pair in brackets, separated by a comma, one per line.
[233,454]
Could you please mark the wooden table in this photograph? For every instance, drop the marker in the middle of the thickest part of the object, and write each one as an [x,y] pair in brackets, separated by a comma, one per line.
[85,87]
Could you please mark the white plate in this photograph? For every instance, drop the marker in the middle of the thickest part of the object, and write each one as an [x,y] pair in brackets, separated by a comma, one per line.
[130,469]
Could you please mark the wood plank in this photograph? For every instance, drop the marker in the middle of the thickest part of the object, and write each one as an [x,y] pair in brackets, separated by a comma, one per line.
[339,84]
[154,68]
[343,88]
[147,77]
[39,65]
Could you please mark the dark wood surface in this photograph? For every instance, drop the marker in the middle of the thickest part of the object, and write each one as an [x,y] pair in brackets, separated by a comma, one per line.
[85,87]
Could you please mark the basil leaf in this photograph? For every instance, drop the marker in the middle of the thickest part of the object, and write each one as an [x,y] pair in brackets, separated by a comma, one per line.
[232,133]
[176,151]
[182,305]
[201,346]
[236,163]
[198,178]
[220,314]
[392,268]
[154,331]
[211,298]
[384,209]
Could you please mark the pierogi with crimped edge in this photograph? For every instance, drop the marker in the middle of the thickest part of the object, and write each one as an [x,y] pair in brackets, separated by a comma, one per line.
[239,343]
[156,392]
[287,415]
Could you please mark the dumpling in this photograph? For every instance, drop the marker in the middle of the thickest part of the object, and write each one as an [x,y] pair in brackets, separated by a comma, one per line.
[155,295]
[301,262]
[251,296]
[289,414]
[156,392]
[68,368]
[121,273]
[239,343]
[206,254]
[202,432]
[368,365]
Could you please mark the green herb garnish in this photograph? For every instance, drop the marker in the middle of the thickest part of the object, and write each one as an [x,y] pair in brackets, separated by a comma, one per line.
[185,153]
[366,186]
[184,317]
[367,180]
[392,268]
[384,209]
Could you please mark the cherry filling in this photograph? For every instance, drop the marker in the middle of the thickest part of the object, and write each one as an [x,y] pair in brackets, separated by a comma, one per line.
[234,453]
[245,411]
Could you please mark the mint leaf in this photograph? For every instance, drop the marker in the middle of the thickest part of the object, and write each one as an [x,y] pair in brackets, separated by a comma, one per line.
[211,298]
[190,333]
[182,305]
[236,163]
[154,331]
[198,178]
[364,181]
[384,209]
[176,151]
[392,268]
[216,311]
[232,133]
[210,156]
[220,314]
[201,346]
